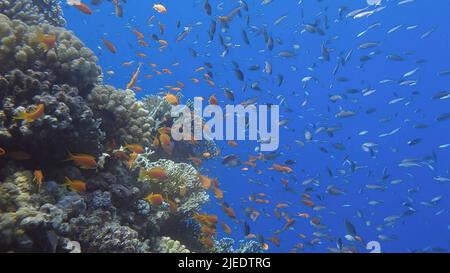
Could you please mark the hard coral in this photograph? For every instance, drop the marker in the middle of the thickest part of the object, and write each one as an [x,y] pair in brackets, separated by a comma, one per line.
[182,183]
[124,117]
[69,60]
[33,12]
[168,245]
[68,123]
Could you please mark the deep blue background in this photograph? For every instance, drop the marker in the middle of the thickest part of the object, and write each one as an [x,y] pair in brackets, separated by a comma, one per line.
[422,230]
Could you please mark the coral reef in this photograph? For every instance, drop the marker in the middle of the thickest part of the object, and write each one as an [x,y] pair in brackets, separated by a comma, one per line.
[30,220]
[56,78]
[47,70]
[68,122]
[66,57]
[33,12]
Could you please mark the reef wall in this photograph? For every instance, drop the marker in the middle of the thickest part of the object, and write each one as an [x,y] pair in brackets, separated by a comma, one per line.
[106,197]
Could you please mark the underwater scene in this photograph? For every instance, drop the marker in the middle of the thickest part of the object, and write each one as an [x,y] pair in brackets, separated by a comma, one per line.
[224,126]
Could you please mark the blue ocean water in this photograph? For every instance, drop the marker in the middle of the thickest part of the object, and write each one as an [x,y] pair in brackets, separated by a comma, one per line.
[308,108]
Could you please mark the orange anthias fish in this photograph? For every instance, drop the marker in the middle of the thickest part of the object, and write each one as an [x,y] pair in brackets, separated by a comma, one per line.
[167,71]
[282,205]
[205,181]
[149,21]
[160,8]
[176,89]
[30,117]
[138,34]
[201,68]
[38,178]
[289,223]
[281,168]
[75,185]
[118,8]
[248,163]
[135,77]
[230,212]
[308,203]
[166,143]
[218,193]
[232,143]
[156,173]
[161,28]
[80,6]
[2,151]
[275,240]
[163,44]
[180,84]
[211,82]
[109,45]
[303,215]
[171,99]
[143,43]
[213,100]
[84,161]
[206,219]
[208,231]
[226,228]
[135,148]
[155,199]
[306,196]
[131,160]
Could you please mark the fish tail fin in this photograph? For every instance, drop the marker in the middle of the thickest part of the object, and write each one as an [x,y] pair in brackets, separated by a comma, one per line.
[22,116]
[67,181]
[70,156]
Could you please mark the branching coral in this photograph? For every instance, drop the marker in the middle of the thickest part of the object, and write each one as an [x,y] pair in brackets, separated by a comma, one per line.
[182,183]
[226,245]
[158,108]
[160,111]
[124,117]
